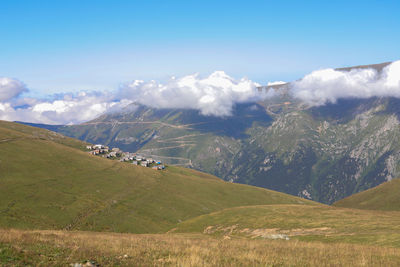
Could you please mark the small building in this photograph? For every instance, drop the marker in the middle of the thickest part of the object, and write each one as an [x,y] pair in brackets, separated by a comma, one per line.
[135,162]
[105,150]
[155,168]
[144,164]
[95,152]
[112,154]
[98,146]
[89,147]
[141,158]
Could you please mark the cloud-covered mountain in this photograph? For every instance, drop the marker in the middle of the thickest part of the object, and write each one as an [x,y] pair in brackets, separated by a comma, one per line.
[328,85]
[214,95]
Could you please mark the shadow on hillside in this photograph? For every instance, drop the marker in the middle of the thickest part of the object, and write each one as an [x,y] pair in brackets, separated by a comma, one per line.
[393,107]
[344,110]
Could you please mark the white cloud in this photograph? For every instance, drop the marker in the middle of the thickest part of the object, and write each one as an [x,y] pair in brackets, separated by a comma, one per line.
[10,88]
[276,83]
[68,109]
[328,85]
[214,95]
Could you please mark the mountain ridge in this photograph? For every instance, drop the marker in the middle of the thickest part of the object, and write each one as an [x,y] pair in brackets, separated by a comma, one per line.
[382,197]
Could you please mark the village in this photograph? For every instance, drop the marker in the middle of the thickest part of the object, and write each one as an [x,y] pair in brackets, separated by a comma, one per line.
[117,154]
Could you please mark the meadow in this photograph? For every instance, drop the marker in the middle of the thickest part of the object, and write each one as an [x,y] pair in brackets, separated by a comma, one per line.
[61,248]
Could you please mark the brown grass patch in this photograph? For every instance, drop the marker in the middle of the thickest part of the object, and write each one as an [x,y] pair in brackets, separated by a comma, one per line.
[272,233]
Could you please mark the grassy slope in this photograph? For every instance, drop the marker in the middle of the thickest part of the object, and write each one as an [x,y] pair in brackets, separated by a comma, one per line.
[9,129]
[46,183]
[316,223]
[383,197]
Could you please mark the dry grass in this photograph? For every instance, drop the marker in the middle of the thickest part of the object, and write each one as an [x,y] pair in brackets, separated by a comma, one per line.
[59,248]
[304,223]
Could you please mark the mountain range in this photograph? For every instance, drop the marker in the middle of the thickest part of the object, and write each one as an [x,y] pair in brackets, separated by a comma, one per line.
[322,153]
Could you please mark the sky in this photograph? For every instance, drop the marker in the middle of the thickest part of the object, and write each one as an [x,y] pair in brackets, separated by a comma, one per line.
[76,48]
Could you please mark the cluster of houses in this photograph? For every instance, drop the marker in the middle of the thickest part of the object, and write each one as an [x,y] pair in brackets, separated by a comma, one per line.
[98,149]
[116,153]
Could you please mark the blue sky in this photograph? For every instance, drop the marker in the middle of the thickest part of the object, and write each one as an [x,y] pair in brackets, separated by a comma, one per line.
[64,46]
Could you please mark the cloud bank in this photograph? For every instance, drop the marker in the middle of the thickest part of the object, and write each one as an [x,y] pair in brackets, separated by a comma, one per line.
[214,95]
[59,109]
[329,85]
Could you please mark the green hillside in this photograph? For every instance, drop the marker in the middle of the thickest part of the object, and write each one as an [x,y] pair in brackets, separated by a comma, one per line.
[47,182]
[306,223]
[11,130]
[383,197]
